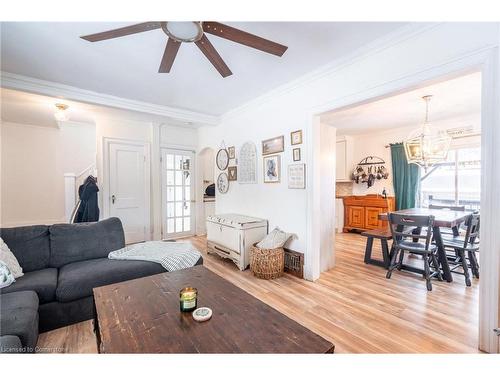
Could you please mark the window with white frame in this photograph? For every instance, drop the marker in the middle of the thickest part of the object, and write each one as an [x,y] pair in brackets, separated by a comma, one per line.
[456,182]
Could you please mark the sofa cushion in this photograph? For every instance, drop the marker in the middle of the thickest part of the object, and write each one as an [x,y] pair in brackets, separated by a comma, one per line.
[43,282]
[30,245]
[76,242]
[76,280]
[19,317]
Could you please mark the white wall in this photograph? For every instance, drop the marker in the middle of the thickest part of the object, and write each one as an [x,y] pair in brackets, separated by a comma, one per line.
[364,74]
[34,160]
[283,207]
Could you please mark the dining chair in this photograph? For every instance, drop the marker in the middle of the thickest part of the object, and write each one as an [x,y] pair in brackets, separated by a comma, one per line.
[405,238]
[465,249]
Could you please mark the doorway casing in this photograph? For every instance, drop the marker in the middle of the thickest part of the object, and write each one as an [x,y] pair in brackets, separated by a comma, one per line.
[485,60]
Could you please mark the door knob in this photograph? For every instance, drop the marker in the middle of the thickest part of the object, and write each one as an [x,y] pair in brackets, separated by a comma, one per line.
[113,198]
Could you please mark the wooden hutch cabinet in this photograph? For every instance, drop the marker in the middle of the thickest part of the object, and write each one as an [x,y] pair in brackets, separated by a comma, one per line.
[361,212]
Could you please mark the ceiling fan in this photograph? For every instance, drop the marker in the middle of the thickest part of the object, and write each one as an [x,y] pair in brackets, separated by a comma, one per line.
[194,32]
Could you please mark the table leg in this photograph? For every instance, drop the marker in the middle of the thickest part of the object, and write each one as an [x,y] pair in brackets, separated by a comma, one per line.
[443,260]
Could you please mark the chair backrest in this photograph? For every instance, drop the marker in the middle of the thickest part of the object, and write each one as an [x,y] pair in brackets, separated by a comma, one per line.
[472,232]
[404,227]
[443,207]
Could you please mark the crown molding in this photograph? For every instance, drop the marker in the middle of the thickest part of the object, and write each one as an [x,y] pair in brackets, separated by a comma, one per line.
[397,36]
[53,89]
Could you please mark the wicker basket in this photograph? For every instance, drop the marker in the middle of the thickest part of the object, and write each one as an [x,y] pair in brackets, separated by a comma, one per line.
[267,263]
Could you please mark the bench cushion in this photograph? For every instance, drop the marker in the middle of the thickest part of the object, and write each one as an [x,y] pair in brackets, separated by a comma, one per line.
[30,245]
[76,242]
[19,317]
[76,280]
[43,282]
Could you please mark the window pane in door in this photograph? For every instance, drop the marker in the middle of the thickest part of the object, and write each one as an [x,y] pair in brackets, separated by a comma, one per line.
[187,177]
[187,208]
[178,162]
[170,177]
[187,224]
[187,163]
[178,178]
[469,177]
[170,210]
[178,208]
[187,192]
[170,161]
[178,225]
[178,193]
[170,193]
[170,226]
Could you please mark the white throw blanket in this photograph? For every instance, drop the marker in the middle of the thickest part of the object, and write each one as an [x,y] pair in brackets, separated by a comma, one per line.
[172,256]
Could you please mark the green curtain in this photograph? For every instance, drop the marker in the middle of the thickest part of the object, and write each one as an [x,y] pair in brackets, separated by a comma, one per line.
[405,177]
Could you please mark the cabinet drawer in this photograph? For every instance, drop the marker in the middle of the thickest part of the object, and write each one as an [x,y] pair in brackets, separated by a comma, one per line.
[223,235]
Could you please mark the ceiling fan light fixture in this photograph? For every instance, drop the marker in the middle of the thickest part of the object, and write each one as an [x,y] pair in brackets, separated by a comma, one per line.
[183,31]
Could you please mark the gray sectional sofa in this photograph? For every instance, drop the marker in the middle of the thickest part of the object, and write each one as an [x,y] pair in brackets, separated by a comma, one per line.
[62,263]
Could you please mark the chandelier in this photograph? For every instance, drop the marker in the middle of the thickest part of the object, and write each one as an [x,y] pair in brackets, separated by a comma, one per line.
[427,145]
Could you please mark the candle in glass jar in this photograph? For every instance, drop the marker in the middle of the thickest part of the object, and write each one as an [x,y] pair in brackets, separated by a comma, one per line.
[188,298]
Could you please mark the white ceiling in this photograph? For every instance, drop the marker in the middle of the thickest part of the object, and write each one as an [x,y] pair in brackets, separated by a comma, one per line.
[127,67]
[455,103]
[32,109]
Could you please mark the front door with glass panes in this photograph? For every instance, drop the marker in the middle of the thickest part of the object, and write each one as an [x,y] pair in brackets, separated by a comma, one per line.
[177,193]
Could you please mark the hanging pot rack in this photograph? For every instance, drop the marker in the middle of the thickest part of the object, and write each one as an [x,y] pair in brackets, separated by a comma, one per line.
[372,160]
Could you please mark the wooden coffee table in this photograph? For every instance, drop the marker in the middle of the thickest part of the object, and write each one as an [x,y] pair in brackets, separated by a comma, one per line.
[142,316]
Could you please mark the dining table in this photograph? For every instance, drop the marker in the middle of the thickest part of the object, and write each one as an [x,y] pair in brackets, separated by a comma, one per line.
[442,219]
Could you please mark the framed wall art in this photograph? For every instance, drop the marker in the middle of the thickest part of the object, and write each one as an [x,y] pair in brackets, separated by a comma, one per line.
[222,159]
[231,152]
[297,176]
[296,154]
[273,145]
[272,169]
[296,137]
[232,173]
[247,163]
[223,183]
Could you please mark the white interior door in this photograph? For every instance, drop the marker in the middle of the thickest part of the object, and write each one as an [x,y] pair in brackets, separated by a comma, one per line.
[129,189]
[178,203]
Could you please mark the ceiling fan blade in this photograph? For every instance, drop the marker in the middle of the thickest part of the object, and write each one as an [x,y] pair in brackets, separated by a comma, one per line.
[122,31]
[211,53]
[242,37]
[169,55]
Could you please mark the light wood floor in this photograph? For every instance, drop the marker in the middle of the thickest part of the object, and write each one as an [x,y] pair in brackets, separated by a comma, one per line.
[354,306]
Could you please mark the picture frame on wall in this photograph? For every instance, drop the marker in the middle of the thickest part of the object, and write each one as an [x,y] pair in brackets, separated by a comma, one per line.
[296,137]
[222,159]
[273,145]
[231,152]
[232,173]
[272,169]
[297,176]
[296,154]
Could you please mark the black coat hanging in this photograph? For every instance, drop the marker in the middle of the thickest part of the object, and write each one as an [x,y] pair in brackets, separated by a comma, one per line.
[88,209]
